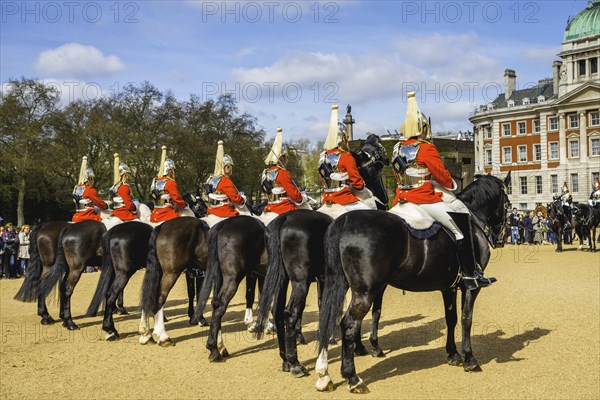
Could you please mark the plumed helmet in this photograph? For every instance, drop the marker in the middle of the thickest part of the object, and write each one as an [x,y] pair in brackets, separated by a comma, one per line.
[415,121]
[565,188]
[88,174]
[334,135]
[169,165]
[227,160]
[124,169]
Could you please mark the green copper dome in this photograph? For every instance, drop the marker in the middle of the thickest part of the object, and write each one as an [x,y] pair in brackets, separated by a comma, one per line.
[585,24]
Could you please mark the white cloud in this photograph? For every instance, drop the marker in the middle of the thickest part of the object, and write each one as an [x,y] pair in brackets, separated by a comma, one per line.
[542,56]
[246,51]
[74,60]
[419,62]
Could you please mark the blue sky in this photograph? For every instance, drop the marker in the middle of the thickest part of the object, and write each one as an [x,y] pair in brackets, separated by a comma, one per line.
[288,61]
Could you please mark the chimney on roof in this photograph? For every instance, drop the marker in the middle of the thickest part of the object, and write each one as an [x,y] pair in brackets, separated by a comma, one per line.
[556,75]
[510,82]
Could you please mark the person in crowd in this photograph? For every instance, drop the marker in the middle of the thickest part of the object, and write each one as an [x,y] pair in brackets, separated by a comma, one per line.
[9,257]
[24,249]
[514,226]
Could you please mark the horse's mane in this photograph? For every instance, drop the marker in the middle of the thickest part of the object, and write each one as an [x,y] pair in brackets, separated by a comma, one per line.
[478,194]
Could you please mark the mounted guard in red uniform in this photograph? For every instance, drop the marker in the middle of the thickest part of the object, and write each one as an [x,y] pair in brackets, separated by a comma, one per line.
[344,188]
[224,198]
[417,164]
[87,202]
[168,203]
[277,182]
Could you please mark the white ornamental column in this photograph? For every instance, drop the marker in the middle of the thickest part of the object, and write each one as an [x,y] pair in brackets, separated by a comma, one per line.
[583,142]
[562,139]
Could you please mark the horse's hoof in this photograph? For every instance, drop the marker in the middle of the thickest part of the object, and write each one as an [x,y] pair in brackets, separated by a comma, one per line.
[324,384]
[270,329]
[358,388]
[360,351]
[286,366]
[122,311]
[203,322]
[298,371]
[224,353]
[215,356]
[144,339]
[472,367]
[70,326]
[252,327]
[167,342]
[47,320]
[300,339]
[455,360]
[377,353]
[332,341]
[112,336]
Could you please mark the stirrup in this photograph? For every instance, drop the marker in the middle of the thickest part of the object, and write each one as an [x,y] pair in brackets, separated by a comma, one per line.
[476,282]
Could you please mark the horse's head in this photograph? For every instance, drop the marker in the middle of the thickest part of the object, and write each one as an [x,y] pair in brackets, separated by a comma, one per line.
[487,198]
[196,203]
[371,159]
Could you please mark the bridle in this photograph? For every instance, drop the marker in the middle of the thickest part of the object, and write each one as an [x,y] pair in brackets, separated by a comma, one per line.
[377,160]
[495,234]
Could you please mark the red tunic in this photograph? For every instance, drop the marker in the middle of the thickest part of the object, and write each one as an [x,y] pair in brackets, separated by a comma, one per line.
[347,164]
[127,211]
[167,213]
[89,213]
[428,157]
[284,179]
[227,187]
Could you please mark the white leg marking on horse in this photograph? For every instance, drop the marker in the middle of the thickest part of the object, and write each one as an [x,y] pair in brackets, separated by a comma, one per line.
[248,318]
[159,326]
[321,365]
[220,344]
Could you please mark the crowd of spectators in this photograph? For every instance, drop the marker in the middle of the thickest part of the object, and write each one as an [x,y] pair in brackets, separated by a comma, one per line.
[532,228]
[14,250]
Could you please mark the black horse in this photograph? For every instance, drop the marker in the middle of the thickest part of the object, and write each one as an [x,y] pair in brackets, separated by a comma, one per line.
[225,270]
[368,250]
[125,250]
[296,255]
[43,247]
[79,245]
[174,247]
[585,220]
[558,219]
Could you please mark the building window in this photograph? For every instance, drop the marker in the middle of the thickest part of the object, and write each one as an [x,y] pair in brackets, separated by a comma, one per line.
[522,153]
[521,129]
[574,148]
[553,151]
[554,124]
[593,65]
[523,184]
[554,183]
[595,147]
[595,175]
[488,132]
[573,121]
[507,155]
[511,103]
[574,183]
[538,185]
[595,118]
[581,64]
[505,129]
[523,206]
[509,188]
[488,156]
[537,152]
[526,101]
[536,126]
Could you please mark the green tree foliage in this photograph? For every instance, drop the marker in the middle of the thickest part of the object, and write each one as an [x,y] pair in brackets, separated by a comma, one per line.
[42,144]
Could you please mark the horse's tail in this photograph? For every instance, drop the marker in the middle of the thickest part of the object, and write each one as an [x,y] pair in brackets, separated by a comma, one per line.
[151,285]
[28,290]
[214,276]
[107,276]
[334,286]
[276,278]
[57,271]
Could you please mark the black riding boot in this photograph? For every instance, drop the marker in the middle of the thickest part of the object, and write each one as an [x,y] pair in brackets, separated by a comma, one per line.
[472,275]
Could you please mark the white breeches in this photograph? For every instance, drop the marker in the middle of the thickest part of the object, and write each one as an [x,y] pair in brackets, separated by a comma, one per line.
[359,205]
[439,212]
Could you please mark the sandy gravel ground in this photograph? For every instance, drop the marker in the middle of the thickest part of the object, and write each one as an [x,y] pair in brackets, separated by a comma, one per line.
[536,335]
